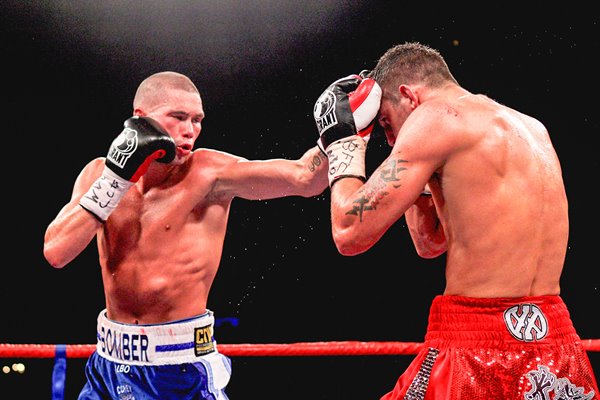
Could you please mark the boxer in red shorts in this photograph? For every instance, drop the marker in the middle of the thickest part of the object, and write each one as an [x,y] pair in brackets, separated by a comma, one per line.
[481,183]
[502,348]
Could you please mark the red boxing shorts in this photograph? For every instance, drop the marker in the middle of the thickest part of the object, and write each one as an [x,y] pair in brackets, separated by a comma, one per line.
[504,348]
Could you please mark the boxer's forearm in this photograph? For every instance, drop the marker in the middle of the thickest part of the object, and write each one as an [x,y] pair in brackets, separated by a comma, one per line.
[69,234]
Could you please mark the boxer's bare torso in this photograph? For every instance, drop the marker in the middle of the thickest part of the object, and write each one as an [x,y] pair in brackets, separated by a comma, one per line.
[497,186]
[160,248]
[502,204]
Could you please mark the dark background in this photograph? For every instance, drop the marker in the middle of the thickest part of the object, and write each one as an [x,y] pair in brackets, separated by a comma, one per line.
[71,70]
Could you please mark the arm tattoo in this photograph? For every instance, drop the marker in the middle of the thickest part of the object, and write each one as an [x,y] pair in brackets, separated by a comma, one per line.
[315,162]
[377,186]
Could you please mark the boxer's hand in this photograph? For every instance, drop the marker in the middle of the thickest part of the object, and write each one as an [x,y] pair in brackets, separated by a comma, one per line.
[347,107]
[345,115]
[142,141]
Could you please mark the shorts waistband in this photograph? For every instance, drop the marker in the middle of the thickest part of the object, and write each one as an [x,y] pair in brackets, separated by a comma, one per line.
[459,320]
[177,342]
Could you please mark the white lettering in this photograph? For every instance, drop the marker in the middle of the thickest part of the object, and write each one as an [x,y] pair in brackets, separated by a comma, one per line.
[122,389]
[123,346]
[122,368]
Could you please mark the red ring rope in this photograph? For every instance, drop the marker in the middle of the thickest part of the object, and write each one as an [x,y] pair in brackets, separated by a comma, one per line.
[348,348]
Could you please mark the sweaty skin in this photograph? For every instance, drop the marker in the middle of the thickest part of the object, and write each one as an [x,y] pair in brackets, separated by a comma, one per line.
[498,205]
[160,249]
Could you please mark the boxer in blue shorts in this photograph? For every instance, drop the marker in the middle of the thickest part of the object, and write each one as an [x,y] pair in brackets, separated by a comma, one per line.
[158,209]
[176,360]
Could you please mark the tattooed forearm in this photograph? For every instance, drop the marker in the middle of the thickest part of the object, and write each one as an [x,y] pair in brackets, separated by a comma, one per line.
[377,186]
[388,171]
[316,161]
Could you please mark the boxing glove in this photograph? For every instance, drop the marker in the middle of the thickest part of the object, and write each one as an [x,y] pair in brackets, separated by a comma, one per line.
[345,115]
[141,141]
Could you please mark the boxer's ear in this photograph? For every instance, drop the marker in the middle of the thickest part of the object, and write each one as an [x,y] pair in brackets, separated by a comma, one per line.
[406,92]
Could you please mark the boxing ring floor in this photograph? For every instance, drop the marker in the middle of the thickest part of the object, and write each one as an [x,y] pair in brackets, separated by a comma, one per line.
[309,370]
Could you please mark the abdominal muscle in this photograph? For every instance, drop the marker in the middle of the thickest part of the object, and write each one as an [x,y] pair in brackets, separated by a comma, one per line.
[159,292]
[156,272]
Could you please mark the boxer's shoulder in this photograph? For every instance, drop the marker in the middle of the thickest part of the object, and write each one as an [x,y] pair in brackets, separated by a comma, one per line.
[211,157]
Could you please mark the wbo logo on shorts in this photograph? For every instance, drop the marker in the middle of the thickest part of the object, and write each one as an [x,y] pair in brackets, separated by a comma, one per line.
[203,340]
[526,322]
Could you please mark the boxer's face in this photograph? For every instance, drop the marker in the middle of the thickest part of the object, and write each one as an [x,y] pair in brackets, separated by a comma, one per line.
[181,114]
[394,110]
[388,117]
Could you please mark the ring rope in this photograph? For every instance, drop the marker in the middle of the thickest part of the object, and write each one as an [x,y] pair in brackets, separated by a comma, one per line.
[343,348]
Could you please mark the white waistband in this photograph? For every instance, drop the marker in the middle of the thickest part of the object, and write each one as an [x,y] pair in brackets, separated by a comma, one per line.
[173,343]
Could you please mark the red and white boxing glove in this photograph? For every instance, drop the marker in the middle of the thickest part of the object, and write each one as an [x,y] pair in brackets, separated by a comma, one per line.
[142,141]
[345,115]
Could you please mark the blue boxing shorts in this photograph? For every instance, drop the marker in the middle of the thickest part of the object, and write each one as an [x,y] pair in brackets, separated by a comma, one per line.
[177,360]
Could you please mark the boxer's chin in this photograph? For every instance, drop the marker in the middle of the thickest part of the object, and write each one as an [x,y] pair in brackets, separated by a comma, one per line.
[180,158]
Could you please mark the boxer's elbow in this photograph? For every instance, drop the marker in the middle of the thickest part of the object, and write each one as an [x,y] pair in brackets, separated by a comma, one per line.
[430,249]
[349,242]
[55,257]
[430,252]
[55,262]
[346,250]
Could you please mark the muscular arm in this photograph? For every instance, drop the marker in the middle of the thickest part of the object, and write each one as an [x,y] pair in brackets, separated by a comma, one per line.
[362,213]
[73,228]
[268,179]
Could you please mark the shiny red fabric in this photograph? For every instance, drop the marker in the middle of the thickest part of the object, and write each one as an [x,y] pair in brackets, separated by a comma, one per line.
[502,348]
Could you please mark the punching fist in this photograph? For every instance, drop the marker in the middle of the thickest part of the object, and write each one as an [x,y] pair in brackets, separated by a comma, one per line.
[345,115]
[142,141]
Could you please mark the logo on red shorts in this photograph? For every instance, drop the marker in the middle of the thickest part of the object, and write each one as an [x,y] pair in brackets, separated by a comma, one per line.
[543,382]
[526,322]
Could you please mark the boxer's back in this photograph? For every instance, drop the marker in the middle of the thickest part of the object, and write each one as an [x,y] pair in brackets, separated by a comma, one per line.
[505,210]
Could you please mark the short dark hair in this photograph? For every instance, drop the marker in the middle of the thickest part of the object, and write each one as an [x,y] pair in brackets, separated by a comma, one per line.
[411,62]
